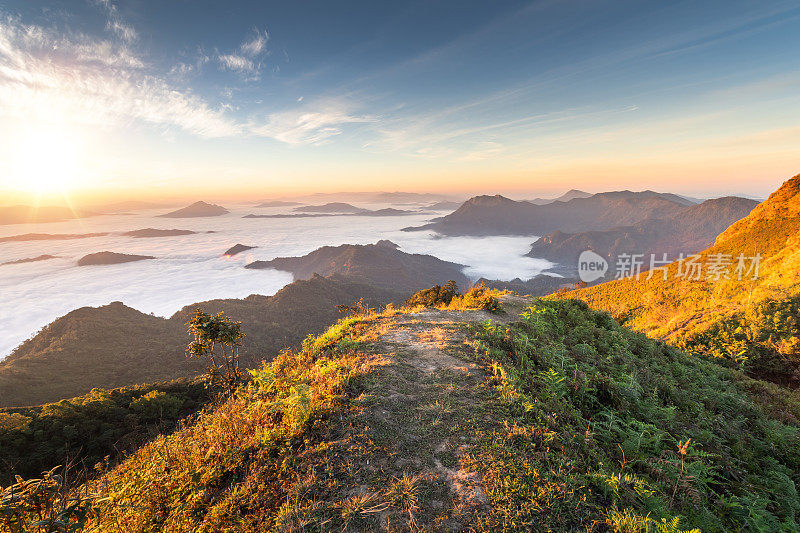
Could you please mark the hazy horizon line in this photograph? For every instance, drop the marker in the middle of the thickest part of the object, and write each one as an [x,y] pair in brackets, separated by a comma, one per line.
[95,199]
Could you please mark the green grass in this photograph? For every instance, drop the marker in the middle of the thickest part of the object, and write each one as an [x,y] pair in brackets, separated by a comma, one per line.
[560,421]
[231,470]
[603,427]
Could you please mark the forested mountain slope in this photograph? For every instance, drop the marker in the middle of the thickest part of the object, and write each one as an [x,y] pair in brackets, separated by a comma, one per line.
[763,249]
[115,345]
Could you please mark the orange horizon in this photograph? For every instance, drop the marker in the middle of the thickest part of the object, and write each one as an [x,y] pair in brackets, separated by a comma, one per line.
[689,185]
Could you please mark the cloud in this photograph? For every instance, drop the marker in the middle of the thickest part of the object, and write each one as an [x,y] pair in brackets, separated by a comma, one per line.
[189,269]
[310,124]
[236,63]
[74,77]
[48,74]
[256,45]
[246,61]
[115,23]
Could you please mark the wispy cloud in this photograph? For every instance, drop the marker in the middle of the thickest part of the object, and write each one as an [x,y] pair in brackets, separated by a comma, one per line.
[247,60]
[256,45]
[116,25]
[77,78]
[237,63]
[312,123]
[46,74]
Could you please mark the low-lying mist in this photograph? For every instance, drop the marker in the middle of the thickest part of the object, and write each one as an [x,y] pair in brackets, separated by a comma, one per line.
[191,268]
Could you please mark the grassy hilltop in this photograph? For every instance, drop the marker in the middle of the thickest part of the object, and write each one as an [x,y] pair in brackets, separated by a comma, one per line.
[543,416]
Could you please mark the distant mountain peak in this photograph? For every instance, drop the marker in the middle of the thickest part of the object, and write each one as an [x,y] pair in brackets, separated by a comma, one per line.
[499,215]
[385,243]
[490,200]
[572,194]
[110,258]
[197,209]
[237,249]
[381,264]
[330,207]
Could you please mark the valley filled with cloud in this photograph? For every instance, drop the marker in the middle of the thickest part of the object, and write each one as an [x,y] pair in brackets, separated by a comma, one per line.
[192,268]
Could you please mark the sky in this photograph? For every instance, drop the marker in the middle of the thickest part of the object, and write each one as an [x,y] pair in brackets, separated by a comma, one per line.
[258,99]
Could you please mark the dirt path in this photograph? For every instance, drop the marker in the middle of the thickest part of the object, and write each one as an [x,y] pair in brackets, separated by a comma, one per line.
[430,404]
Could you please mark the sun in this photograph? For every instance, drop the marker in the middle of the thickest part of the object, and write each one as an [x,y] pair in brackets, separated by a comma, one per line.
[47,160]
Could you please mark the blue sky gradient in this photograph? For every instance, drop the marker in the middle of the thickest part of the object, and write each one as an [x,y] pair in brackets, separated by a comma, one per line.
[694,97]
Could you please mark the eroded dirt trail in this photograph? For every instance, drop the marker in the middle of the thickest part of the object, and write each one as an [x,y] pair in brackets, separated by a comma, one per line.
[432,400]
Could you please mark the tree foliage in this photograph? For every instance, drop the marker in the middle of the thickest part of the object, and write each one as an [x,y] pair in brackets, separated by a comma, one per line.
[448,296]
[437,295]
[217,340]
[83,431]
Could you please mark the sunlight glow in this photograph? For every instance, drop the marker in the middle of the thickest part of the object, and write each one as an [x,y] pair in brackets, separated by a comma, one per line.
[46,160]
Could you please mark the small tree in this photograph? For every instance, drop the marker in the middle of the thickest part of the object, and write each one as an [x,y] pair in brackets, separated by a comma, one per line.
[217,340]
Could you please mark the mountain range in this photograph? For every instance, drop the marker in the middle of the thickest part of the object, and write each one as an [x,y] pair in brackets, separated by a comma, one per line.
[339,210]
[659,402]
[43,257]
[383,197]
[771,230]
[115,345]
[498,215]
[331,207]
[687,231]
[277,203]
[566,197]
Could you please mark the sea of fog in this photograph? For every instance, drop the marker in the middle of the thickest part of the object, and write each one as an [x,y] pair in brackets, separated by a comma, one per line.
[191,268]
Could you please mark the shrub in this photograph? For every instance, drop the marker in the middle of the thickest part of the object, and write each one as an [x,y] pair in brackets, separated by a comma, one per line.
[358,308]
[85,430]
[231,469]
[43,505]
[479,297]
[762,340]
[436,296]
